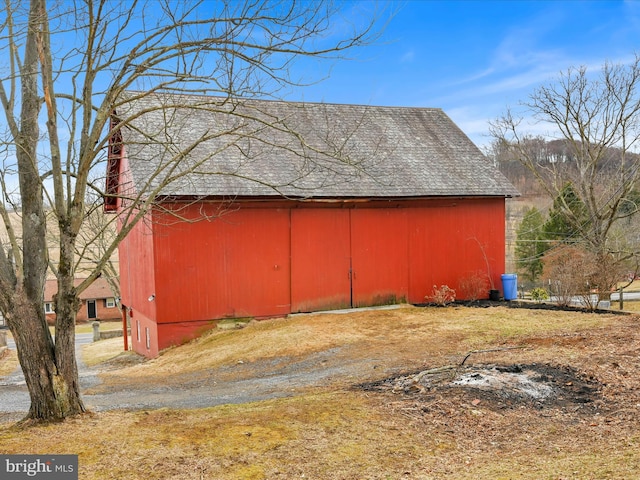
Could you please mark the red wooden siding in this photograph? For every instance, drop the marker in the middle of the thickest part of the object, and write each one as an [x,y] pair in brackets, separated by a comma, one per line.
[144,336]
[237,265]
[137,278]
[379,249]
[348,257]
[447,242]
[114,169]
[320,259]
[270,259]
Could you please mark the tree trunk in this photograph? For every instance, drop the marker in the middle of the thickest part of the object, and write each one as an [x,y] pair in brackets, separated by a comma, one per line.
[53,397]
[67,304]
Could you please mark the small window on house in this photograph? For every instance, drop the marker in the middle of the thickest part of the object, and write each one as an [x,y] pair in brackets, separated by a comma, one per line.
[110,302]
[48,307]
[138,328]
[147,333]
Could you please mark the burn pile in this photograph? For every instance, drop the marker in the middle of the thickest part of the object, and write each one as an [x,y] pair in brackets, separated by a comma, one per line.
[499,386]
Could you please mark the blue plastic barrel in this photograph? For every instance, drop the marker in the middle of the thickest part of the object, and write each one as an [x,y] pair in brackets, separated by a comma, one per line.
[510,286]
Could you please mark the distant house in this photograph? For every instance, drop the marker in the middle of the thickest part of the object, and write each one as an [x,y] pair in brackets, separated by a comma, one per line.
[98,302]
[297,207]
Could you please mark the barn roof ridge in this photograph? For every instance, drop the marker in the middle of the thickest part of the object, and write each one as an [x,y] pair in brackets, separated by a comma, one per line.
[290,102]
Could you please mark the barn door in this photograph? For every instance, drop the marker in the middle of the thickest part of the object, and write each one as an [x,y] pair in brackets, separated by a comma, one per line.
[320,259]
[380,256]
[344,258]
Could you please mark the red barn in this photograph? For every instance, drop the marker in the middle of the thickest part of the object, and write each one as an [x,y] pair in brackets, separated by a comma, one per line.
[283,207]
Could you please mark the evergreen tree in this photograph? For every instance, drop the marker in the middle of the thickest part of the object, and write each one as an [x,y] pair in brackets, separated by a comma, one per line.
[568,218]
[530,245]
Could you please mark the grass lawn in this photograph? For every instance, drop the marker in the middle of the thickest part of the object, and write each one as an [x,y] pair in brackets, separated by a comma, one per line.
[345,432]
[8,363]
[87,327]
[629,305]
[102,351]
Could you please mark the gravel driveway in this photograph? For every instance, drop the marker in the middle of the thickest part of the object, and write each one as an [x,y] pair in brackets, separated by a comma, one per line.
[239,383]
[14,396]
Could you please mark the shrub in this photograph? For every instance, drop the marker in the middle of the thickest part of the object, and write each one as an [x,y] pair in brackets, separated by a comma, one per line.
[442,295]
[539,294]
[474,287]
[566,268]
[575,273]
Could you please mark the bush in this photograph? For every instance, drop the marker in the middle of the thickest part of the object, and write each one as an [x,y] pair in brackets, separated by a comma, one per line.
[442,295]
[574,272]
[474,287]
[566,268]
[539,294]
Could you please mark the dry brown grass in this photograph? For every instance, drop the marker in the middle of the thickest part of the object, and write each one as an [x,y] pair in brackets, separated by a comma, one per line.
[629,306]
[8,362]
[334,435]
[87,327]
[347,433]
[407,334]
[102,351]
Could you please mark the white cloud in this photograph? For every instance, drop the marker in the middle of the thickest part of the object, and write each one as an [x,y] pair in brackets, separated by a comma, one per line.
[407,57]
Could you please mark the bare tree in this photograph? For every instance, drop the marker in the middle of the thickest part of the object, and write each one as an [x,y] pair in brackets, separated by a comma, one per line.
[598,121]
[574,274]
[94,241]
[67,66]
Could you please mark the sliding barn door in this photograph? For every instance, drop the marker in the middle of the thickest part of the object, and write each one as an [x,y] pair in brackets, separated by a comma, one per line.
[380,259]
[320,259]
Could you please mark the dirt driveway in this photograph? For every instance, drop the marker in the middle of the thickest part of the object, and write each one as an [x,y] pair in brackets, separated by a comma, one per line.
[238,383]
[104,388]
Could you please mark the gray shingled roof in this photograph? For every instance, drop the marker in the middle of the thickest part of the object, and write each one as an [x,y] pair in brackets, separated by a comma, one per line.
[271,148]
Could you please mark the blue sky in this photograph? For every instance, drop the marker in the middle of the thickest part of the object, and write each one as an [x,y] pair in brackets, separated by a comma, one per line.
[474,59]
